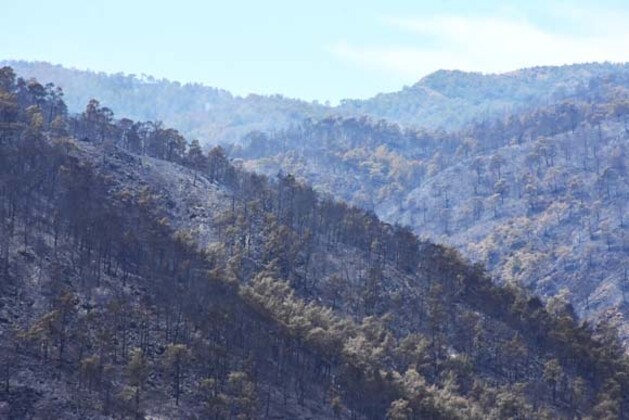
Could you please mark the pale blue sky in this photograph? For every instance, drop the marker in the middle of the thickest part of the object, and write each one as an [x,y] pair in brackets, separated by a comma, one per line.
[324,49]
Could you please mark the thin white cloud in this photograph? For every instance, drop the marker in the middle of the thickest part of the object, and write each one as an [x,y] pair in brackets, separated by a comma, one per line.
[491,44]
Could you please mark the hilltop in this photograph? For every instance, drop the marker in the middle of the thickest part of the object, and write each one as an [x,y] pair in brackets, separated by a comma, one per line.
[446,100]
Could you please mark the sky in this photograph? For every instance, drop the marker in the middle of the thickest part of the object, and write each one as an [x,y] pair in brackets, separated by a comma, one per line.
[324,50]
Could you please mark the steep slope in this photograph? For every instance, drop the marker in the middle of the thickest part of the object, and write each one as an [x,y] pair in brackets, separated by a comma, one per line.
[549,214]
[188,287]
[540,197]
[109,308]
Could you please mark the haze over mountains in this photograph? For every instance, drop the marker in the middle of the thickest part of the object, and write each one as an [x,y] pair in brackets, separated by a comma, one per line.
[143,275]
[445,99]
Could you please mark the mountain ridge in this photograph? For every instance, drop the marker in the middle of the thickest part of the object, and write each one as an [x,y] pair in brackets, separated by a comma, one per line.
[301,305]
[541,174]
[216,116]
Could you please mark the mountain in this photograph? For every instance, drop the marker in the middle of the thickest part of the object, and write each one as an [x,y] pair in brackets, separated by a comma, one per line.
[443,100]
[539,197]
[452,99]
[142,277]
[212,115]
[411,175]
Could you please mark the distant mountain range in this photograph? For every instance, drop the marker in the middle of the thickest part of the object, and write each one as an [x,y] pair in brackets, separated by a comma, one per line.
[451,100]
[443,100]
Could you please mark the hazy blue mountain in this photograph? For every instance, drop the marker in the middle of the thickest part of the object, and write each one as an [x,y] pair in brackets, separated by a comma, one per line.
[212,115]
[450,99]
[442,100]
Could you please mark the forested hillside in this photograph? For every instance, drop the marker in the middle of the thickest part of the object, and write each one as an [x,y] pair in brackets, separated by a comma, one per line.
[452,99]
[207,113]
[142,276]
[447,100]
[539,197]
